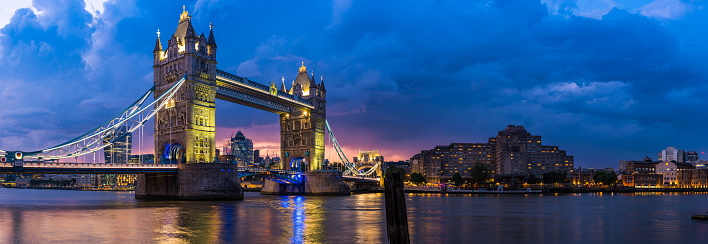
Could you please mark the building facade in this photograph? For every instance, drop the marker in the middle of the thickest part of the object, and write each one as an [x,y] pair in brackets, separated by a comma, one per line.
[242,149]
[670,171]
[142,159]
[582,177]
[672,154]
[119,151]
[513,152]
[693,178]
[691,156]
[642,174]
[520,153]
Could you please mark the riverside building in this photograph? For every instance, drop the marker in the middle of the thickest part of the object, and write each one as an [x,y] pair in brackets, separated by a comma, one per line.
[513,152]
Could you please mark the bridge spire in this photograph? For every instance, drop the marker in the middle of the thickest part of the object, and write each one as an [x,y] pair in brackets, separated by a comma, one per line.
[313,85]
[185,15]
[211,41]
[158,44]
[282,86]
[303,69]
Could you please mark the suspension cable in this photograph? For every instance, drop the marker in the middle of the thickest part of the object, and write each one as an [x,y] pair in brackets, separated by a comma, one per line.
[133,117]
[350,167]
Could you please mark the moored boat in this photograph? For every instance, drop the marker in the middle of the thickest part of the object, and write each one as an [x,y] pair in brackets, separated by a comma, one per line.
[700,216]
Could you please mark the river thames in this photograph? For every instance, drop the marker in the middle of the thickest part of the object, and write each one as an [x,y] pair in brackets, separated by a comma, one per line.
[57,216]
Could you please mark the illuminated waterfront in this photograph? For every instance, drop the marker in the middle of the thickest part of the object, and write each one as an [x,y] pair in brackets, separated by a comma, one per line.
[46,216]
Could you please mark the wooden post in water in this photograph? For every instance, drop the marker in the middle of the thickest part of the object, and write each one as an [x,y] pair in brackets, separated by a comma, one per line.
[396,217]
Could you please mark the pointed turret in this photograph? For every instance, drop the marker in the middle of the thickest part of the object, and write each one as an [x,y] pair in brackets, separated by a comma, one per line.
[158,53]
[313,85]
[190,31]
[321,87]
[282,86]
[158,44]
[211,41]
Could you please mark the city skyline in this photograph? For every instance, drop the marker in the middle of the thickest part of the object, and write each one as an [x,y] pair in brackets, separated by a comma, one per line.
[563,71]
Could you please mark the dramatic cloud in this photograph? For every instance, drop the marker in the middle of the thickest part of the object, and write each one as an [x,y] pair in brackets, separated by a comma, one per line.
[604,80]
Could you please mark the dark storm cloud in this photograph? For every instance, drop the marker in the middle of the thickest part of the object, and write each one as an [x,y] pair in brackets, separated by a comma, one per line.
[403,75]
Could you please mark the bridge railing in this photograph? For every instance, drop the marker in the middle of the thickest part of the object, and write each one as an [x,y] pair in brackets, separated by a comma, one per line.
[360,178]
[259,169]
[247,97]
[90,165]
[114,165]
[243,80]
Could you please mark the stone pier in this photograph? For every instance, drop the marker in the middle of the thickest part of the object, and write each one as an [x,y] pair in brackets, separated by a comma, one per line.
[210,181]
[363,186]
[323,183]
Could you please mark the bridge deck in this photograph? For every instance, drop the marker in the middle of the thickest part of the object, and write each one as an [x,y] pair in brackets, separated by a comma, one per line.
[360,179]
[84,168]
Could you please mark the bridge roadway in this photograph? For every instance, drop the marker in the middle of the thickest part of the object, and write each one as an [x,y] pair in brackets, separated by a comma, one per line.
[90,168]
[359,178]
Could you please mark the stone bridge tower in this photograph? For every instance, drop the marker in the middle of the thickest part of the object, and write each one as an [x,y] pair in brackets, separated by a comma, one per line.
[185,130]
[302,133]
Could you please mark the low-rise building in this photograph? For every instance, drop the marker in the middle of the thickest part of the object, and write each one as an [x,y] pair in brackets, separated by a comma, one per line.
[693,178]
[669,170]
[582,176]
[642,174]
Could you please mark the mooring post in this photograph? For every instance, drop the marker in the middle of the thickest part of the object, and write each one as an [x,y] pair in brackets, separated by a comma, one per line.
[396,217]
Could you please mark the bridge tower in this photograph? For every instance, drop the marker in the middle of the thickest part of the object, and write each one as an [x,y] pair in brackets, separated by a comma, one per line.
[302,132]
[185,130]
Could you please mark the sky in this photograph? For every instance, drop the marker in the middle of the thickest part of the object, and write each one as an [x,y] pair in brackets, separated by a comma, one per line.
[604,80]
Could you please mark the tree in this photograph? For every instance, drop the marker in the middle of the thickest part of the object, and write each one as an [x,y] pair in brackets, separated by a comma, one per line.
[417,178]
[457,178]
[554,177]
[605,177]
[532,179]
[394,168]
[479,174]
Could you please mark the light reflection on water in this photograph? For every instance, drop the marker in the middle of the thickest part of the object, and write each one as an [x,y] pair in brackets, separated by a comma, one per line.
[45,216]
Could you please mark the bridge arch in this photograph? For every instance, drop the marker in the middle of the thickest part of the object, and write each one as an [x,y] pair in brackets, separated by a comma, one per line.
[172,153]
[298,163]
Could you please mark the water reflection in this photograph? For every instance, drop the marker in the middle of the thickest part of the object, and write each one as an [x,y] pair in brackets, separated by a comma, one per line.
[298,220]
[31,216]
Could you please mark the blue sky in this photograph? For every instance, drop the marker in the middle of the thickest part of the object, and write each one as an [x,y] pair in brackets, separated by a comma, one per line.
[605,80]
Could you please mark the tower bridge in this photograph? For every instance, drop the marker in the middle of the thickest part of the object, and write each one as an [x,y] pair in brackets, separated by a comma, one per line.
[186,86]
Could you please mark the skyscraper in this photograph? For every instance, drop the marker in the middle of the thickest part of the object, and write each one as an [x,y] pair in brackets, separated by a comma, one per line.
[256,155]
[242,149]
[119,151]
